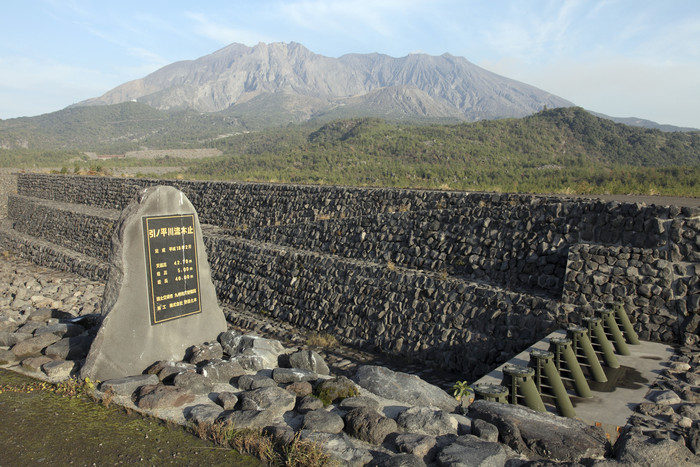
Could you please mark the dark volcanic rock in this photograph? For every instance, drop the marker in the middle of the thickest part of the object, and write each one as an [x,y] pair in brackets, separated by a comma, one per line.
[368,425]
[323,420]
[468,450]
[541,434]
[159,396]
[636,449]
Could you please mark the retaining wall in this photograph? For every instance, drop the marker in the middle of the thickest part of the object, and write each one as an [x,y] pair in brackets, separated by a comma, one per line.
[461,281]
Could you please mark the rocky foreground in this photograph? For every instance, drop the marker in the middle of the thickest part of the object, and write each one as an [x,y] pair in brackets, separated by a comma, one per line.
[368,415]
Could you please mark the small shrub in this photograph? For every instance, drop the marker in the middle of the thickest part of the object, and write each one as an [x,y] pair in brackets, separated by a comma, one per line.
[338,388]
[390,265]
[321,339]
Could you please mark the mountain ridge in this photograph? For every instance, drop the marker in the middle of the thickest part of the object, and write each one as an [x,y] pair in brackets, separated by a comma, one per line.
[237,74]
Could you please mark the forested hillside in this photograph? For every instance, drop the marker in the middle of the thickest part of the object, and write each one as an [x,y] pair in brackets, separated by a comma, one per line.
[563,150]
[559,150]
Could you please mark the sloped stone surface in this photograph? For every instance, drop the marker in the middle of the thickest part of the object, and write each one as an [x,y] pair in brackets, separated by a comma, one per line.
[403,387]
[541,434]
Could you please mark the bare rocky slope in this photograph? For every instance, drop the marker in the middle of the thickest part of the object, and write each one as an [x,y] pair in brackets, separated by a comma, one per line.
[238,78]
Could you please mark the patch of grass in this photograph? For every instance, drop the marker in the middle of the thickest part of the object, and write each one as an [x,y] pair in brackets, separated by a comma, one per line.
[321,339]
[302,453]
[297,453]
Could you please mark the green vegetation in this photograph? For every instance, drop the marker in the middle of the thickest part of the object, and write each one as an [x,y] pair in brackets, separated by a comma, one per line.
[555,151]
[564,150]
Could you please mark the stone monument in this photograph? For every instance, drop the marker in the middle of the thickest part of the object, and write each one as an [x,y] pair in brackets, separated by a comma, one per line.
[159,299]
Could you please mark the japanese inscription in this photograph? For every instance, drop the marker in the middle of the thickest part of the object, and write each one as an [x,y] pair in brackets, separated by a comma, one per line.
[171,267]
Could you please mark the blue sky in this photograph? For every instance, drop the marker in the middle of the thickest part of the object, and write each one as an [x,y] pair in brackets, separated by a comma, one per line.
[621,57]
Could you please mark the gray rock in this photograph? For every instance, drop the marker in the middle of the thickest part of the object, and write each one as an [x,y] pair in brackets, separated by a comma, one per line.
[8,339]
[126,386]
[691,411]
[205,352]
[470,451]
[194,382]
[667,398]
[484,430]
[250,382]
[339,447]
[227,400]
[368,425]
[637,449]
[61,330]
[204,414]
[7,357]
[253,419]
[70,348]
[401,460]
[309,360]
[693,440]
[281,434]
[426,421]
[422,446]
[34,346]
[7,324]
[403,387]
[300,388]
[60,369]
[541,434]
[308,403]
[292,375]
[35,363]
[268,350]
[222,371]
[359,401]
[323,420]
[166,370]
[160,396]
[250,362]
[128,340]
[274,399]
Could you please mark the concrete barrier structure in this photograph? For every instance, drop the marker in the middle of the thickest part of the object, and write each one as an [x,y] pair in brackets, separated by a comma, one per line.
[461,281]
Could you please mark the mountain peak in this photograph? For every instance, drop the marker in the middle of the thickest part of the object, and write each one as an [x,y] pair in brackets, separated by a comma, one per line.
[430,86]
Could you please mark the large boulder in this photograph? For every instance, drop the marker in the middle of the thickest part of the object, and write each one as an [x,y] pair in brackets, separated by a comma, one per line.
[159,396]
[235,345]
[542,434]
[34,346]
[402,387]
[323,420]
[273,399]
[368,425]
[426,421]
[309,360]
[468,450]
[637,449]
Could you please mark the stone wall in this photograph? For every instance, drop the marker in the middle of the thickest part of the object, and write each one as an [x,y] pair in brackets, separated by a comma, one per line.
[8,186]
[460,280]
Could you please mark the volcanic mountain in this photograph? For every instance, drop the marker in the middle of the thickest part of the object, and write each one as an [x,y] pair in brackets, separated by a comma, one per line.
[288,82]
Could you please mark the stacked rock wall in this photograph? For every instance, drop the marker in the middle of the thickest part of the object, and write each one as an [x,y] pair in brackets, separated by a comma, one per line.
[463,280]
[8,186]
